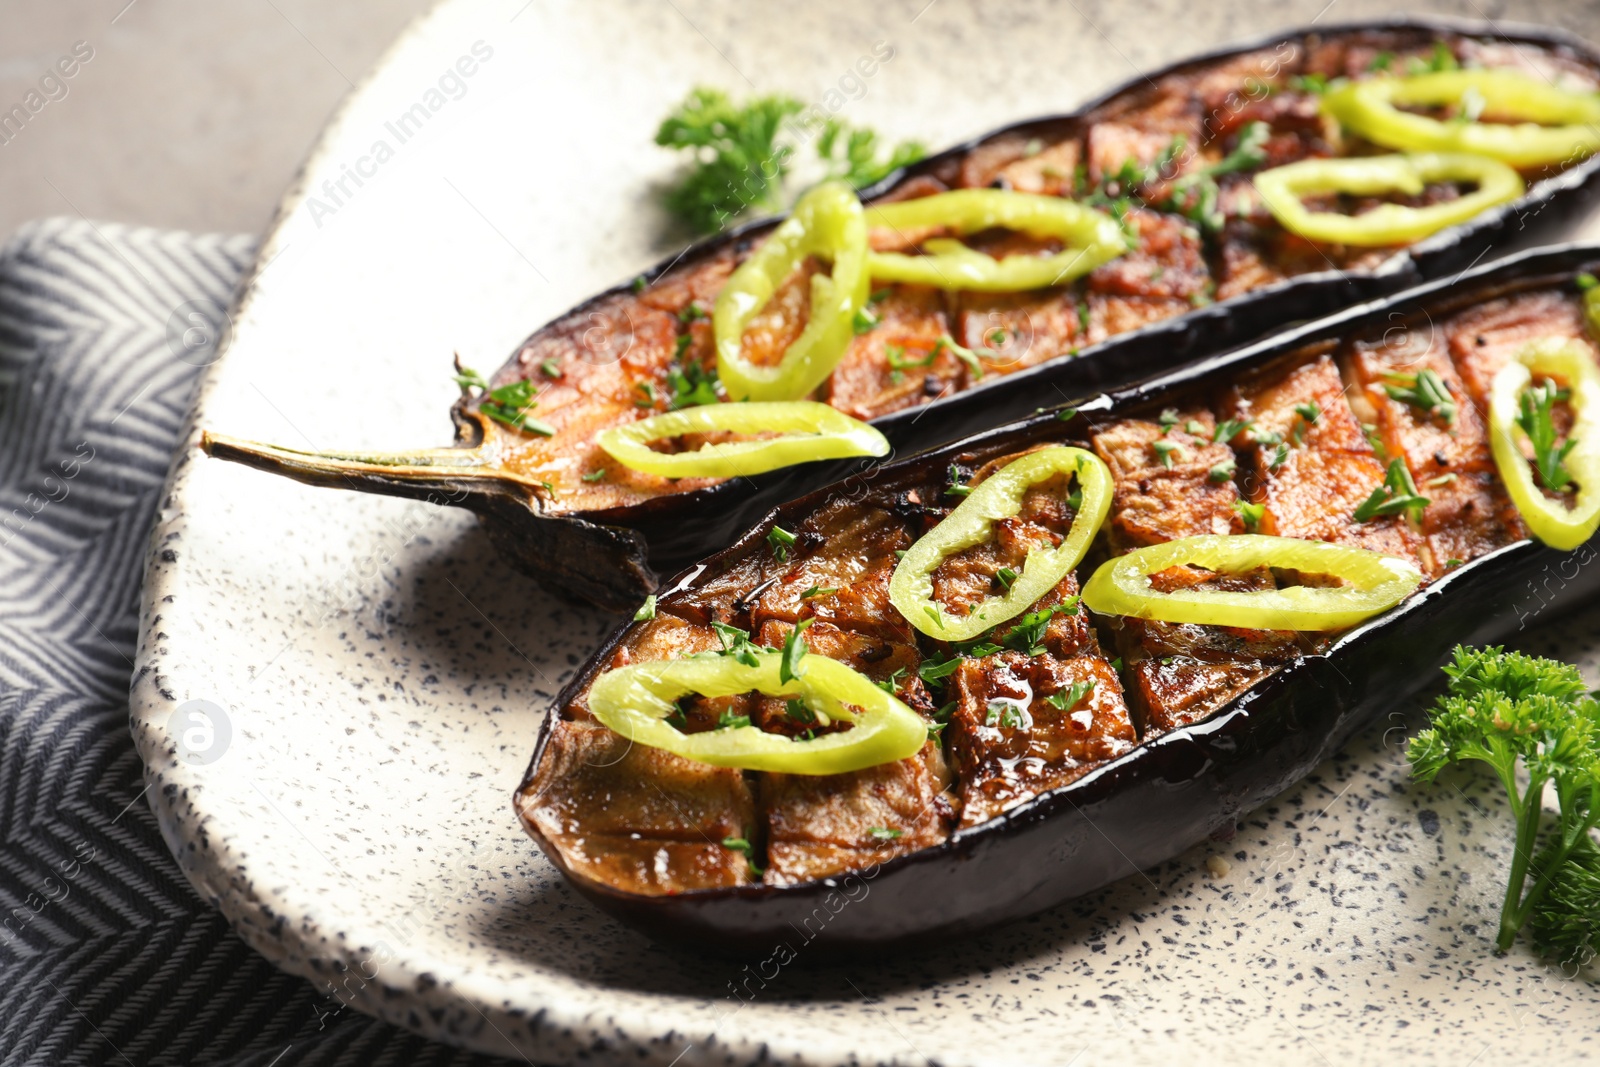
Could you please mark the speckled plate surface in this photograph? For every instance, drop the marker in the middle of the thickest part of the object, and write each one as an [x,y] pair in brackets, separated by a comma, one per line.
[375,676]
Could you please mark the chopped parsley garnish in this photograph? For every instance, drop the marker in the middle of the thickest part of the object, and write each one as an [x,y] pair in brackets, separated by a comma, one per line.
[550,368]
[1382,61]
[1002,713]
[1164,451]
[883,833]
[1005,576]
[1424,390]
[647,610]
[1279,458]
[468,378]
[891,683]
[1228,429]
[1067,414]
[595,476]
[639,283]
[1029,630]
[1222,471]
[509,404]
[896,356]
[692,384]
[1317,84]
[1310,411]
[691,311]
[1374,438]
[816,591]
[1440,59]
[737,643]
[1168,419]
[1069,697]
[865,321]
[797,710]
[728,720]
[1536,421]
[737,844]
[648,400]
[1083,318]
[956,487]
[1247,154]
[936,670]
[794,650]
[1250,514]
[1396,495]
[969,356]
[781,541]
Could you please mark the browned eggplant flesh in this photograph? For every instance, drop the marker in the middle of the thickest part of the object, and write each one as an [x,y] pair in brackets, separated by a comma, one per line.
[1171,157]
[1291,443]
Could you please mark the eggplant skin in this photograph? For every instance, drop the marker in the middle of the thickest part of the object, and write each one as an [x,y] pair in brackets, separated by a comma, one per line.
[613,557]
[1168,793]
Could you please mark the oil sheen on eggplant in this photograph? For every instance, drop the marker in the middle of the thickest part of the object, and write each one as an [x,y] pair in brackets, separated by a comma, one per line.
[565,513]
[1187,727]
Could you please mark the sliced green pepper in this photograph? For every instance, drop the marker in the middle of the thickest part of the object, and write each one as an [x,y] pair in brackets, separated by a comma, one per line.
[1284,189]
[1561,126]
[1550,520]
[810,431]
[1375,583]
[827,223]
[636,700]
[1091,237]
[999,497]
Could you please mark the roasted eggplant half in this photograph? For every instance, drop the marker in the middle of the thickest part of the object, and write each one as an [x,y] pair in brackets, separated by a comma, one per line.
[1069,747]
[1174,159]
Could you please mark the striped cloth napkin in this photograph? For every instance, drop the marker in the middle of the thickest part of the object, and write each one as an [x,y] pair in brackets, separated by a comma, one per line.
[107,956]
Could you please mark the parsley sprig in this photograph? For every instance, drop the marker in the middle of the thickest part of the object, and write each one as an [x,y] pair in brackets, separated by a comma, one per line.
[740,154]
[1508,709]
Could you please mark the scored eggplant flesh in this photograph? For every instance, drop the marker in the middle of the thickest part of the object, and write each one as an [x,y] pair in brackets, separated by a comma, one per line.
[1305,436]
[566,513]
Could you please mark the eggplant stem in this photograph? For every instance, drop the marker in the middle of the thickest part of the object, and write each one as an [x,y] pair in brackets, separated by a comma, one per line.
[427,462]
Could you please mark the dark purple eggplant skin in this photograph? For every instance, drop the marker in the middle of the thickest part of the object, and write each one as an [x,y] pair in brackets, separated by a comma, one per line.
[1167,795]
[613,558]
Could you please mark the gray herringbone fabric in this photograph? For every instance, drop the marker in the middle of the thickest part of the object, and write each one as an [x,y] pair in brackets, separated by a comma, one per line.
[106,954]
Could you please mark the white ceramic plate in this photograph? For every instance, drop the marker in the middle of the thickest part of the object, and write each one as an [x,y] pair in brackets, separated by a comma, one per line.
[381,674]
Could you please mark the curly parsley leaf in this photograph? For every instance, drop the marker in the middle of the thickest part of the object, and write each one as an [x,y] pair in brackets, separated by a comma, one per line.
[1519,712]
[739,155]
[738,162]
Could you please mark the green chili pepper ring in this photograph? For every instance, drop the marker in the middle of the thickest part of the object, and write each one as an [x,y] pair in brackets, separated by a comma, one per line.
[1092,238]
[1284,189]
[811,431]
[827,222]
[1562,126]
[635,700]
[1122,586]
[999,497]
[1550,520]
